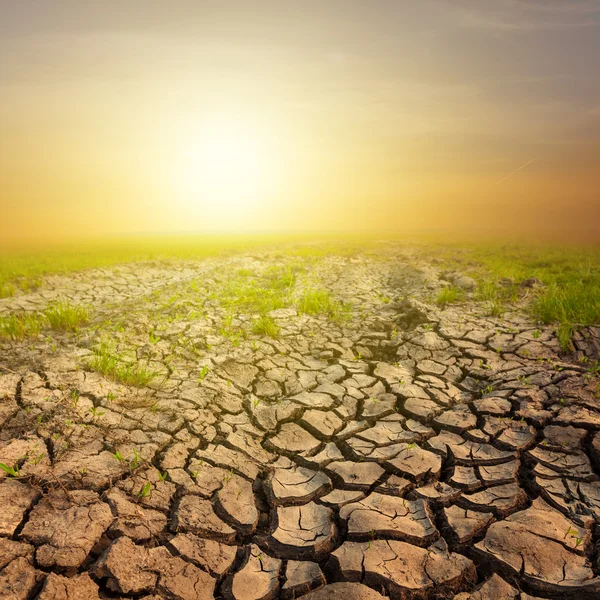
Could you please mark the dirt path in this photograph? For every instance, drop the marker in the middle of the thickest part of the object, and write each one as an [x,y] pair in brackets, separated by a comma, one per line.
[393,445]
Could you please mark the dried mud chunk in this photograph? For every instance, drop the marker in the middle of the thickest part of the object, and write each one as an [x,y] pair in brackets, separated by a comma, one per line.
[495,588]
[10,550]
[236,501]
[517,437]
[80,587]
[302,532]
[459,419]
[241,374]
[439,492]
[465,478]
[125,566]
[467,452]
[416,463]
[466,524]
[131,569]
[196,515]
[161,492]
[294,439]
[179,579]
[422,409]
[313,400]
[401,569]
[379,406]
[497,407]
[132,520]
[296,485]
[228,459]
[213,556]
[390,517]
[16,499]
[572,465]
[322,424]
[387,432]
[66,527]
[534,544]
[258,579]
[300,578]
[356,476]
[501,500]
[499,474]
[566,439]
[344,591]
[341,497]
[18,580]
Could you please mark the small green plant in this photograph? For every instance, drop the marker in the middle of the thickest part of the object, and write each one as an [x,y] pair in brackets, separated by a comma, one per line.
[321,302]
[20,325]
[106,361]
[96,412]
[135,461]
[203,373]
[449,295]
[524,380]
[265,325]
[145,491]
[10,471]
[118,456]
[162,476]
[536,334]
[65,316]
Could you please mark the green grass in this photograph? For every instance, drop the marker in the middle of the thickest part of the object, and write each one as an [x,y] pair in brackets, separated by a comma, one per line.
[114,366]
[569,299]
[449,295]
[23,267]
[65,316]
[320,302]
[21,325]
[247,292]
[265,325]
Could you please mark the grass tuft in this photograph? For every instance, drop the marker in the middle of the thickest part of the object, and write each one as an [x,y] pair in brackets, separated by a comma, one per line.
[116,367]
[265,325]
[19,326]
[65,316]
[320,302]
[449,295]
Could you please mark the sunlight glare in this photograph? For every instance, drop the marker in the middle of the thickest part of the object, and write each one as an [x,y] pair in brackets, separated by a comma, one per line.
[225,166]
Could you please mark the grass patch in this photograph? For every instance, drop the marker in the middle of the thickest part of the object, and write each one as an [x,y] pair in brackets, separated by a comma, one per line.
[449,295]
[265,325]
[249,293]
[321,302]
[20,326]
[570,297]
[22,267]
[65,316]
[114,366]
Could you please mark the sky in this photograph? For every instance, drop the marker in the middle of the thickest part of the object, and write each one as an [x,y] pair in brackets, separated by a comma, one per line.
[280,115]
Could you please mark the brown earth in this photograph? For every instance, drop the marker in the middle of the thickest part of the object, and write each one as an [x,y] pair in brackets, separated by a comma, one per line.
[406,451]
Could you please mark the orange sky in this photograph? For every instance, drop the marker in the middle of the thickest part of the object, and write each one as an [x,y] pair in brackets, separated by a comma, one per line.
[299,116]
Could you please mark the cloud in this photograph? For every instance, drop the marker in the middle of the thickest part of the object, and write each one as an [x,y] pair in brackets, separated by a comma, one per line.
[514,16]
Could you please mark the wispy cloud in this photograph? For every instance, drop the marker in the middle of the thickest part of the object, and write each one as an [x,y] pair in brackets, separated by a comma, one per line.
[524,16]
[515,171]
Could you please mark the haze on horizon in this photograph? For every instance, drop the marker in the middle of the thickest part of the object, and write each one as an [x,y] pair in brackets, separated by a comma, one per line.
[344,115]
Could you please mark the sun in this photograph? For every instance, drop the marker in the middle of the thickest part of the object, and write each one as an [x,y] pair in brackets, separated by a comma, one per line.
[224,165]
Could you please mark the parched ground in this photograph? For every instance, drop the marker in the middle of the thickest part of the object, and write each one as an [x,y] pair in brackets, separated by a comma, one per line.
[389,448]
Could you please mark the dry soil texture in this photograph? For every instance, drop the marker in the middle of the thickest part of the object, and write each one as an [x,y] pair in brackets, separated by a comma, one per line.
[399,450]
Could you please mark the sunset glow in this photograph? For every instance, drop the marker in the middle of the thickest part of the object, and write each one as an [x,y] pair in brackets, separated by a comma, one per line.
[316,116]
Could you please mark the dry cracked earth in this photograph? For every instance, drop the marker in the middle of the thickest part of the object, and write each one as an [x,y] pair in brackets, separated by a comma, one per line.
[403,451]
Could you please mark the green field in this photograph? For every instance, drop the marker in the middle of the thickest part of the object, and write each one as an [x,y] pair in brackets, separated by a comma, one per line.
[568,298]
